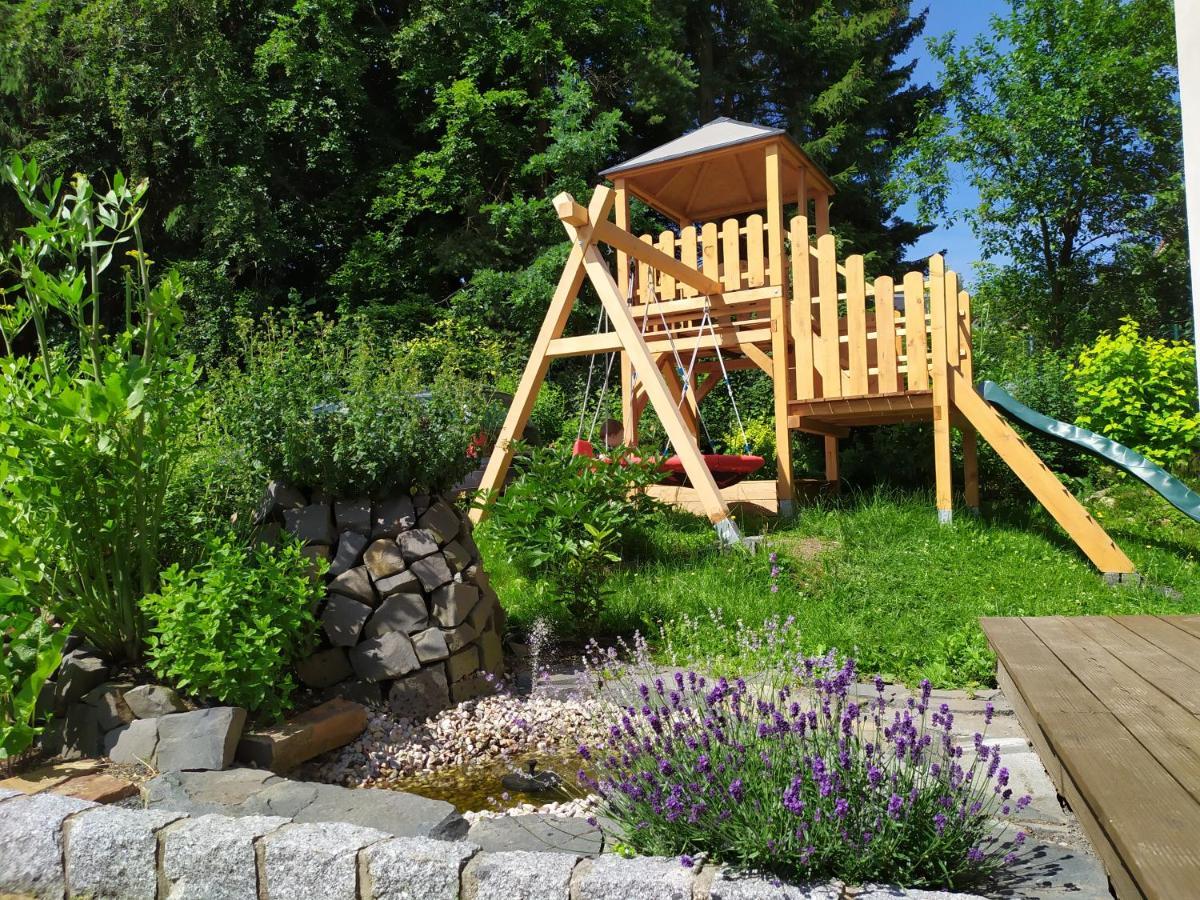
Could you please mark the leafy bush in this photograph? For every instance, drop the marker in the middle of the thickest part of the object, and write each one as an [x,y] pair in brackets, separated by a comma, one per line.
[565,520]
[337,406]
[1140,391]
[230,629]
[800,778]
[94,425]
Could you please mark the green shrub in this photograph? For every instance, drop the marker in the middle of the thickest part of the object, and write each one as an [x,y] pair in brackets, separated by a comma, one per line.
[565,521]
[1140,391]
[93,425]
[338,406]
[230,628]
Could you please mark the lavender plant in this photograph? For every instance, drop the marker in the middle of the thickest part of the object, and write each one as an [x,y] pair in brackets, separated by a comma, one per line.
[803,775]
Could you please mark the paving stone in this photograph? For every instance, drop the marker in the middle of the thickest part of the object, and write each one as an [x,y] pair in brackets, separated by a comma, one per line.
[203,793]
[356,690]
[441,521]
[8,793]
[31,835]
[520,873]
[453,603]
[405,582]
[387,656]
[111,709]
[81,736]
[472,687]
[539,833]
[278,497]
[1045,870]
[457,557]
[1026,775]
[891,892]
[481,612]
[112,852]
[96,788]
[212,857]
[400,612]
[430,645]
[398,813]
[421,695]
[201,739]
[432,572]
[79,674]
[350,547]
[393,517]
[641,878]
[457,638]
[491,653]
[317,859]
[417,544]
[383,559]
[343,619]
[149,701]
[45,777]
[353,515]
[326,727]
[325,668]
[356,584]
[134,743]
[414,869]
[462,664]
[730,885]
[312,524]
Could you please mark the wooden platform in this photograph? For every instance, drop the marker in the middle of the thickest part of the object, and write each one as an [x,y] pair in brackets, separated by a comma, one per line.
[1112,705]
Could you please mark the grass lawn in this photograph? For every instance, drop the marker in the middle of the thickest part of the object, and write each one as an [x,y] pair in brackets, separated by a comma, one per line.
[876,576]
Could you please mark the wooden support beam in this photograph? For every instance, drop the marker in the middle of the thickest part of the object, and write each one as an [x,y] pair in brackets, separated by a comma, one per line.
[622,240]
[570,211]
[832,472]
[629,416]
[608,341]
[941,389]
[780,327]
[539,361]
[970,437]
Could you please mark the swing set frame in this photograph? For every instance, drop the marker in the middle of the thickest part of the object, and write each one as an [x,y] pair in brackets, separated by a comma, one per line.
[743,287]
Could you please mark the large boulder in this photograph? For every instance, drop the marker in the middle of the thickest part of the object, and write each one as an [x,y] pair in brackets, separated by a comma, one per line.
[149,701]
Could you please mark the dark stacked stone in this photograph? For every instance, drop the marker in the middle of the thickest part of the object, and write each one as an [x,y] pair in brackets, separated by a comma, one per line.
[409,616]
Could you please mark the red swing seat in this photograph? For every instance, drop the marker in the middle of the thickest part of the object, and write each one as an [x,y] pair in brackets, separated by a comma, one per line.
[727,468]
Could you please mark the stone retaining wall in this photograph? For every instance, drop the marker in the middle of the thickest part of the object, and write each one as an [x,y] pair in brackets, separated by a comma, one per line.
[409,616]
[59,846]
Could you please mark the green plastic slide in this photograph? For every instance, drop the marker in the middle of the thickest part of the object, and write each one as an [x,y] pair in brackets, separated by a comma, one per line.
[1154,477]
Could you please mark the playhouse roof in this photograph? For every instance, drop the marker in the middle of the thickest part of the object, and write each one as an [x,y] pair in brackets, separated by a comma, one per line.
[728,156]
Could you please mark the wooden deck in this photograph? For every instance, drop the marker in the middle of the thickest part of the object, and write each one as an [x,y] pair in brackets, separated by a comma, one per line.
[1112,706]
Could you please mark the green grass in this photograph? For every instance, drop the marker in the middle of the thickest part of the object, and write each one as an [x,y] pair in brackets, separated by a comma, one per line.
[876,576]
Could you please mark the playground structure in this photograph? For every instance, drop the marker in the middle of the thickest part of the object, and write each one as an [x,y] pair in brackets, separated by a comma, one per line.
[740,285]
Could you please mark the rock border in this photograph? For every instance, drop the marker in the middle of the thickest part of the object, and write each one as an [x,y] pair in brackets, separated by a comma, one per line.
[173,855]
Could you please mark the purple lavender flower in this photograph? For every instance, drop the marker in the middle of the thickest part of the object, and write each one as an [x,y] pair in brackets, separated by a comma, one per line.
[686,861]
[737,790]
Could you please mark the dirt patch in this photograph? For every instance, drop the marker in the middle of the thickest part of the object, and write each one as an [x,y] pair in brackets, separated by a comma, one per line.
[803,548]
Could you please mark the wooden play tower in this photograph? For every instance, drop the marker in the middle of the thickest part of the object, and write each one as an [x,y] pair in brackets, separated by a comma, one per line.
[749,278]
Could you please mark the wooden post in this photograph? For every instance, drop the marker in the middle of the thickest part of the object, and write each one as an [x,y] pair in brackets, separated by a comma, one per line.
[822,213]
[832,474]
[629,417]
[970,437]
[780,330]
[941,389]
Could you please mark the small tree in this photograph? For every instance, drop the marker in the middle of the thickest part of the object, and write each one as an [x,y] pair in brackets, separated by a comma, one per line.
[1066,121]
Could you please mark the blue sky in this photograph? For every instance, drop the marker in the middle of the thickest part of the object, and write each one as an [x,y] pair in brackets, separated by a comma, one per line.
[966,18]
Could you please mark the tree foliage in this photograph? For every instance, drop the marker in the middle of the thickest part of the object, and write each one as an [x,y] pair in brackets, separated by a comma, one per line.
[397,159]
[1065,120]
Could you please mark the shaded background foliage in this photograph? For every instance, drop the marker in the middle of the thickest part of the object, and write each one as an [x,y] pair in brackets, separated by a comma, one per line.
[395,159]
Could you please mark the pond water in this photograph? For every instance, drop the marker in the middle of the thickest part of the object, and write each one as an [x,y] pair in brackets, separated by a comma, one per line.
[478,786]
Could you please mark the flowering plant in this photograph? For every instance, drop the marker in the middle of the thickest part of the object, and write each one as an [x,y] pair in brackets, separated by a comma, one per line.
[806,776]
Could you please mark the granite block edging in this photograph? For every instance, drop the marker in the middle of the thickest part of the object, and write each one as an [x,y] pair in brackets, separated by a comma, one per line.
[156,854]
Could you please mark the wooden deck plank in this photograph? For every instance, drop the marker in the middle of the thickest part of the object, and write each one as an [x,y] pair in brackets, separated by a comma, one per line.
[1190,624]
[1162,725]
[1170,675]
[1137,814]
[1180,644]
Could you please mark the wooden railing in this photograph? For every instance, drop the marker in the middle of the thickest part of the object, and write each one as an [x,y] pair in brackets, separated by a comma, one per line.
[881,334]
[850,336]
